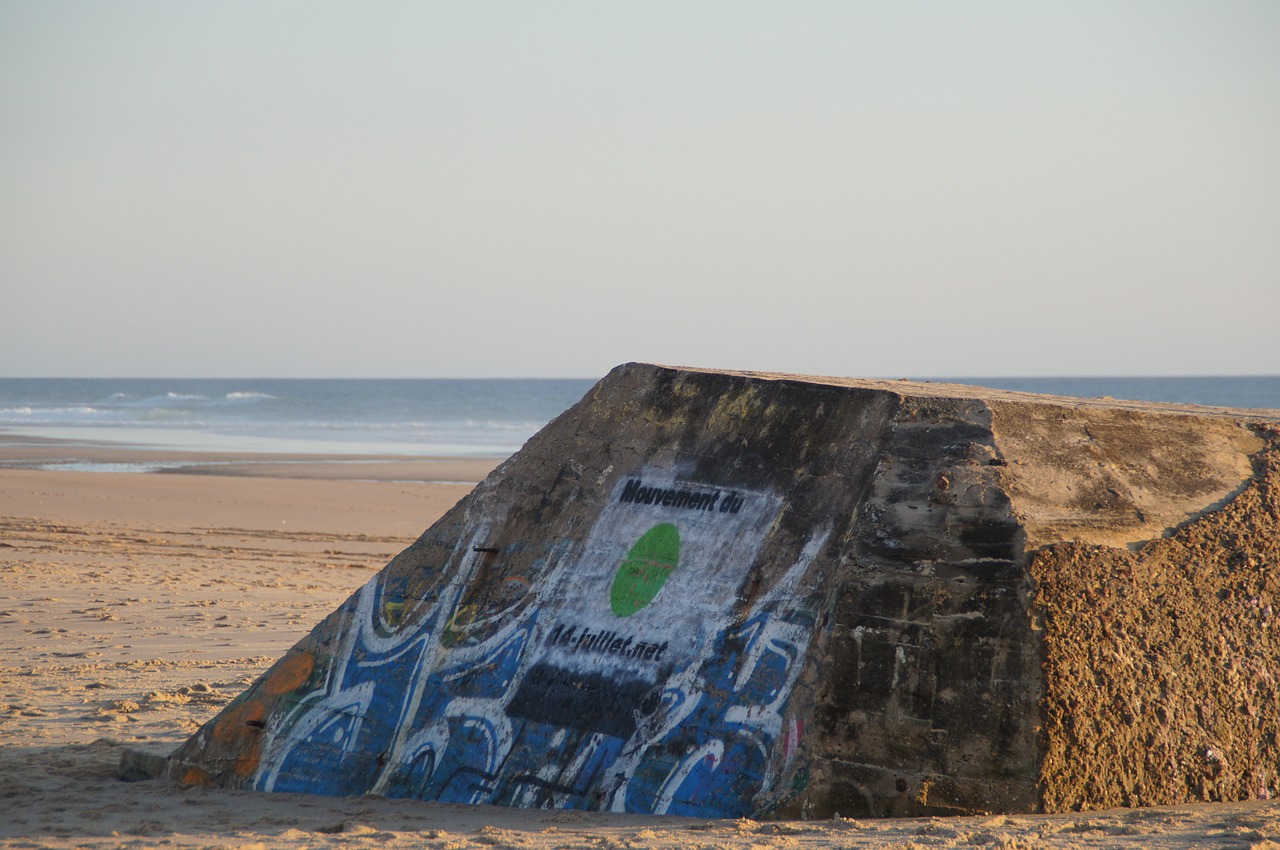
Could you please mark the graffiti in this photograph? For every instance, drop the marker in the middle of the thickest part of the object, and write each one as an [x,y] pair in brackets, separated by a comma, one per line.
[676,497]
[626,676]
[645,569]
[610,642]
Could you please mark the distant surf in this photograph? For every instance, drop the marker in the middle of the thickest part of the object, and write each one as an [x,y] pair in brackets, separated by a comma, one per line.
[450,418]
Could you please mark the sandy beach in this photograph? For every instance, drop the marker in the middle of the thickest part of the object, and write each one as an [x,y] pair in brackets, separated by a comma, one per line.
[133,606]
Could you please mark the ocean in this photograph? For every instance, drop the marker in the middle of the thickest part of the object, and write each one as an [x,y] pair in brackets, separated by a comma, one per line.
[443,418]
[429,417]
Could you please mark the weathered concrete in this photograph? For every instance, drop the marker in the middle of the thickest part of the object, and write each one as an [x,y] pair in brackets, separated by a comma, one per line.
[731,594]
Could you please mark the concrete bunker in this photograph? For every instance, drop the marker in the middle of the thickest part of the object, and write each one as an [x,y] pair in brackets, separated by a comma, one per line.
[731,594]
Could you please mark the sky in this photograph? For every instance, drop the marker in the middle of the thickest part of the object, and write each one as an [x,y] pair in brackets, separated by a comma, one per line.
[445,189]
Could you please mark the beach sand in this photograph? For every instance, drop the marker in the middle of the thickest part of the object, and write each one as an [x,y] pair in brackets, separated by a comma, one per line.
[134,606]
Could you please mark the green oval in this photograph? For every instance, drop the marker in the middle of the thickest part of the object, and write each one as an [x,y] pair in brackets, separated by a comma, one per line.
[645,569]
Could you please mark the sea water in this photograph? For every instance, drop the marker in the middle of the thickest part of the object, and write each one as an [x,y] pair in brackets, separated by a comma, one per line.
[430,417]
[451,418]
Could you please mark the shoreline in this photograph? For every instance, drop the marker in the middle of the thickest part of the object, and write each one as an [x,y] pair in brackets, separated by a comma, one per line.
[50,454]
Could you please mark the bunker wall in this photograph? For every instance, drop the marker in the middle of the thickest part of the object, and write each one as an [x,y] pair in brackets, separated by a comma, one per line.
[724,594]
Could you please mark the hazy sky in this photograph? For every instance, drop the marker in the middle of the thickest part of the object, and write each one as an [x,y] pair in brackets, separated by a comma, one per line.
[551,188]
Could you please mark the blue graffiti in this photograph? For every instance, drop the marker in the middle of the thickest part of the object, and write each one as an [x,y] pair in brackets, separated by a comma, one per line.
[434,702]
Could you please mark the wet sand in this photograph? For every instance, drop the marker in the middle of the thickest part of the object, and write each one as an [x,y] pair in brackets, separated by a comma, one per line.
[133,606]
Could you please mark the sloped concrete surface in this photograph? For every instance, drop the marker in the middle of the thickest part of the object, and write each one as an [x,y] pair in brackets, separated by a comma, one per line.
[728,594]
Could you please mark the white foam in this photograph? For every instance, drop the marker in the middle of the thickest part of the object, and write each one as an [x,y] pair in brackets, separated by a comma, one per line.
[27,414]
[184,439]
[105,466]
